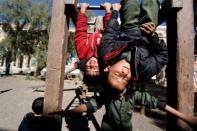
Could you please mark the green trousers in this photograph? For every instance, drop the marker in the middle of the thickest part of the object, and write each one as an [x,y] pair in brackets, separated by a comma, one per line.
[133,14]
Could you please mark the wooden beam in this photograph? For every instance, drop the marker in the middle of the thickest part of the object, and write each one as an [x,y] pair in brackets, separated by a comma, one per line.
[167,6]
[180,40]
[195,24]
[56,62]
[185,54]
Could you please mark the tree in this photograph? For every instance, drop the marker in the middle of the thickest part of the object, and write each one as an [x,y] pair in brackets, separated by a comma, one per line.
[26,25]
[6,53]
[71,46]
[39,33]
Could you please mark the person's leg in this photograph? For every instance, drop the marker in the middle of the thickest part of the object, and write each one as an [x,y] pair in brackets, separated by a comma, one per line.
[127,126]
[129,14]
[136,12]
[106,124]
[149,11]
[106,127]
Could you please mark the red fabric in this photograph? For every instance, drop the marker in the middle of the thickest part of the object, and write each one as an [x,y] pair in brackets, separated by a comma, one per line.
[86,45]
[113,53]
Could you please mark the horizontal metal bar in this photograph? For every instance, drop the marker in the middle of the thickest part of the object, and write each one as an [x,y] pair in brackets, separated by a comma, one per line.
[91,23]
[93,7]
[71,89]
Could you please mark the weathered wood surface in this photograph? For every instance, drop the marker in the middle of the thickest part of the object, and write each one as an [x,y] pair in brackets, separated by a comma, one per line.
[180,41]
[56,57]
[185,54]
[56,61]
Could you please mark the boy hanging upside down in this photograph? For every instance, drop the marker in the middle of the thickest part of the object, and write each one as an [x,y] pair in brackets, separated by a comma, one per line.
[86,44]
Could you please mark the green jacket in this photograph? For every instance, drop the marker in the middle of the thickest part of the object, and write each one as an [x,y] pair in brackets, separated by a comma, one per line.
[119,108]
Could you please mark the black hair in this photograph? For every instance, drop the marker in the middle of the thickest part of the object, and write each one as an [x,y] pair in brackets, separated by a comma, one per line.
[37,105]
[81,65]
[91,80]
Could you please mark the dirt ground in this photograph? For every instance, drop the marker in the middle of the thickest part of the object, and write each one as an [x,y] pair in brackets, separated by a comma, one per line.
[17,95]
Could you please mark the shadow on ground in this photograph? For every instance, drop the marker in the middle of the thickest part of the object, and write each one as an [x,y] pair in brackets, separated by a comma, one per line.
[2,129]
[3,91]
[158,117]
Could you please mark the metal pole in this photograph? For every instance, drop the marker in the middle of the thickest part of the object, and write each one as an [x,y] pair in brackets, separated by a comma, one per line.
[92,7]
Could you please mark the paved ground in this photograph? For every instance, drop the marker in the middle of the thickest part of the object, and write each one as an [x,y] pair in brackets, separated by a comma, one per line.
[19,93]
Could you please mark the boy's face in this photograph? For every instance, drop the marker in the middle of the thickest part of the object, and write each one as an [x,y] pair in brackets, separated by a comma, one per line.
[92,68]
[119,75]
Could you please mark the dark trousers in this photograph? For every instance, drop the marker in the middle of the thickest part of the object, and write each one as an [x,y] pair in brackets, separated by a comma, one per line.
[108,125]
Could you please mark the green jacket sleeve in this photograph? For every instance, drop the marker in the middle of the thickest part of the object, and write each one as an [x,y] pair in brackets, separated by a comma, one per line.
[94,104]
[144,98]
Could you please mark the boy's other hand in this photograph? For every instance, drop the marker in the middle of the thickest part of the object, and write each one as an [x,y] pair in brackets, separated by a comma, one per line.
[83,7]
[107,7]
[116,6]
[148,27]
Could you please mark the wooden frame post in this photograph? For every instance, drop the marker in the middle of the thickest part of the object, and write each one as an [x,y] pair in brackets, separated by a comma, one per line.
[195,24]
[56,63]
[180,39]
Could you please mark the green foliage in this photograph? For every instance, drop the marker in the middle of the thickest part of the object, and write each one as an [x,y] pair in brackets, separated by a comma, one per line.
[3,48]
[41,56]
[27,28]
[71,46]
[16,12]
[40,17]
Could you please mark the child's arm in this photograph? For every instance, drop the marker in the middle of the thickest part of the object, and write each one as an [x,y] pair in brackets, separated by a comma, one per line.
[81,42]
[110,33]
[80,109]
[143,98]
[108,14]
[90,107]
[187,118]
[191,120]
[112,28]
[148,28]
